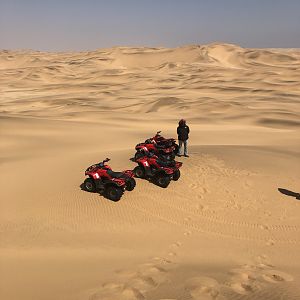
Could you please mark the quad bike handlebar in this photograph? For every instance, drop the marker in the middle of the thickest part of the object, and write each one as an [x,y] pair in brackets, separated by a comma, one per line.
[101,164]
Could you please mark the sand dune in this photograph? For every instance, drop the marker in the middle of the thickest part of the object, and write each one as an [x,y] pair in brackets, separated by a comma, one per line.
[223,231]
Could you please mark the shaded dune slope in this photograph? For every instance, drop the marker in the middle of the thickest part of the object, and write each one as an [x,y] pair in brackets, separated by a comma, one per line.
[222,231]
[220,82]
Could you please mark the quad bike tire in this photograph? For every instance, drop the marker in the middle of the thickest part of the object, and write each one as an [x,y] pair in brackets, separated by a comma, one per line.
[176,150]
[139,172]
[176,175]
[130,184]
[114,193]
[170,156]
[162,181]
[89,185]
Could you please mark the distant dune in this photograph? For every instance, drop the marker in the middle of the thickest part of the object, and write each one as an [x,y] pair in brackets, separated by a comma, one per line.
[228,229]
[230,82]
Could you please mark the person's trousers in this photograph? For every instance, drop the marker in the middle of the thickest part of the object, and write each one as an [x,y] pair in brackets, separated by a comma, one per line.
[184,144]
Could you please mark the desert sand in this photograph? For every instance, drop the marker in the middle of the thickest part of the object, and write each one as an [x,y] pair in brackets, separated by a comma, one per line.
[223,231]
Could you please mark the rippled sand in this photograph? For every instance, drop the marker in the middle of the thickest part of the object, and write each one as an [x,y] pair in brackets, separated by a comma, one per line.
[223,231]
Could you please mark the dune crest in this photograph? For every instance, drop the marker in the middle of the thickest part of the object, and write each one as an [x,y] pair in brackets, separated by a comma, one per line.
[227,229]
[204,79]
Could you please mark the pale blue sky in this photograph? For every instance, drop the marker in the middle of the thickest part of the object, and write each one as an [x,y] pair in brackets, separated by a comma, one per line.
[60,25]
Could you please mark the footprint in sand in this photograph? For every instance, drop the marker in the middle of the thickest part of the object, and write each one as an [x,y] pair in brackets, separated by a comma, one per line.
[204,190]
[172,254]
[243,281]
[187,233]
[275,276]
[242,274]
[244,288]
[129,293]
[176,245]
[156,273]
[142,283]
[193,186]
[263,227]
[270,242]
[115,291]
[198,206]
[248,184]
[203,207]
[262,262]
[203,288]
[133,285]
[251,278]
[162,261]
[200,197]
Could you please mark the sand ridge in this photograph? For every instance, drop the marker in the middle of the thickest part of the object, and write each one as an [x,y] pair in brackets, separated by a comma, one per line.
[223,231]
[138,80]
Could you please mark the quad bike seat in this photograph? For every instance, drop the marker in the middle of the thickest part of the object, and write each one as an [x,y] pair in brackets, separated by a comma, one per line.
[161,146]
[115,174]
[165,163]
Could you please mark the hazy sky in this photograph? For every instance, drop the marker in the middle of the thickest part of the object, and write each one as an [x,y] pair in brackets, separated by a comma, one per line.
[59,25]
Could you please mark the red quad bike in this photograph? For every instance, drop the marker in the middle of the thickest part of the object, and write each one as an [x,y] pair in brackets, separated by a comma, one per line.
[107,182]
[160,140]
[158,145]
[158,169]
[149,146]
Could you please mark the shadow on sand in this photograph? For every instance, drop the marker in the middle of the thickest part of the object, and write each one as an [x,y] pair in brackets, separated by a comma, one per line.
[289,193]
[97,192]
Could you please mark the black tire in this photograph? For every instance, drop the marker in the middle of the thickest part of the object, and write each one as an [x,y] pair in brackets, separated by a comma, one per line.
[163,181]
[171,156]
[89,185]
[114,193]
[176,175]
[176,150]
[138,155]
[130,184]
[139,172]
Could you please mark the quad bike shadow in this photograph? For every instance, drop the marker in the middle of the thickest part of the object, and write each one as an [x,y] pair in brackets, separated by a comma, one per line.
[99,192]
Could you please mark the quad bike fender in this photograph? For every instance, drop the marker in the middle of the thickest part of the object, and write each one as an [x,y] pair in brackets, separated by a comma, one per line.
[167,150]
[162,172]
[146,166]
[178,164]
[90,169]
[129,173]
[168,171]
[141,148]
[118,182]
[99,183]
[115,182]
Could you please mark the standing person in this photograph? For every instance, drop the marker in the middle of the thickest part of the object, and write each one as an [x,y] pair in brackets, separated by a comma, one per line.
[183,134]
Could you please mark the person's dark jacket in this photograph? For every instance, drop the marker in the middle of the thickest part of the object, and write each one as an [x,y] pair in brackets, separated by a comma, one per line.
[183,132]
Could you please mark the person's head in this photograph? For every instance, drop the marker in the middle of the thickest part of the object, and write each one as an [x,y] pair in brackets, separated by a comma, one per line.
[182,122]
